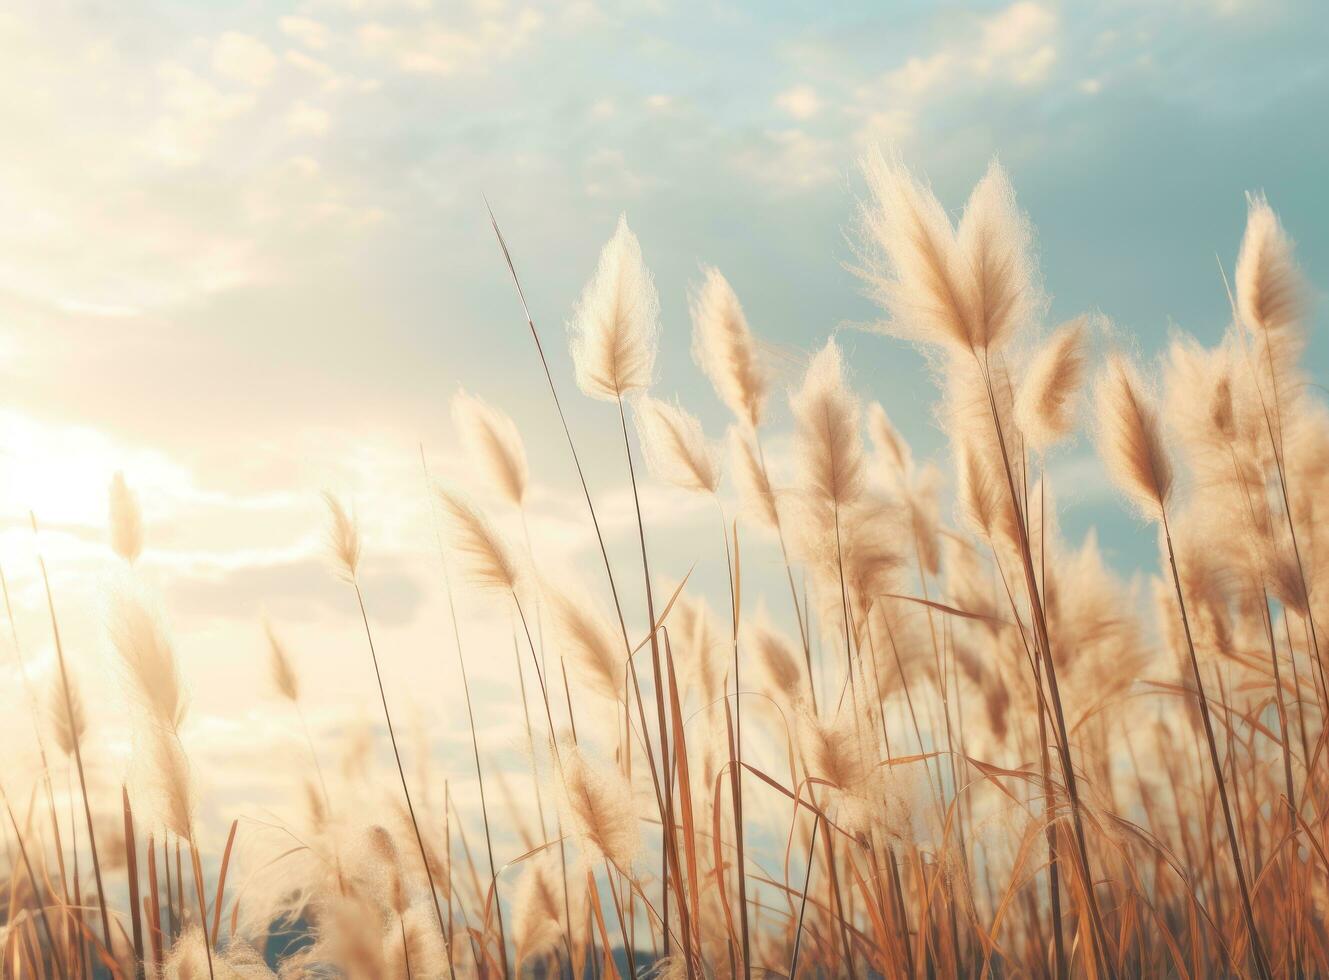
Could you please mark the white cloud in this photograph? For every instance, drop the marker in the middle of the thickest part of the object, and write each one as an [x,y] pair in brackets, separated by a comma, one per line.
[801,102]
[243,59]
[308,32]
[789,158]
[438,48]
[1016,44]
[194,112]
[308,120]
[608,174]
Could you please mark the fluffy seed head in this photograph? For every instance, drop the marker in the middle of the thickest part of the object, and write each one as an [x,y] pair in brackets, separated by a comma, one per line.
[983,497]
[754,485]
[537,910]
[615,324]
[600,809]
[830,446]
[969,288]
[343,538]
[493,444]
[585,636]
[69,719]
[126,520]
[723,347]
[914,266]
[782,665]
[1043,404]
[146,652]
[676,448]
[1129,438]
[1269,288]
[485,559]
[890,447]
[994,237]
[171,780]
[284,678]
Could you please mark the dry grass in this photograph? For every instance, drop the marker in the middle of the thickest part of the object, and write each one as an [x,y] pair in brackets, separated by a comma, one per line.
[977,753]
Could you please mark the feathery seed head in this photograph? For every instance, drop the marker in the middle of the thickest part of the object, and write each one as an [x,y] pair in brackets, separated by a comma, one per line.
[284,677]
[587,639]
[600,809]
[486,561]
[724,348]
[1043,404]
[343,538]
[1130,439]
[1269,287]
[69,719]
[494,445]
[614,327]
[676,448]
[126,520]
[830,446]
[754,485]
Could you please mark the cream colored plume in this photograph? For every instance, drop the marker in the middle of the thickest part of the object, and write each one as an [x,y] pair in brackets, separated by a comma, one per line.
[1052,379]
[982,496]
[69,718]
[146,652]
[754,486]
[600,810]
[343,538]
[494,445]
[994,237]
[614,327]
[169,775]
[968,289]
[284,678]
[1129,438]
[587,639]
[890,447]
[485,560]
[537,910]
[782,665]
[1269,288]
[724,348]
[914,266]
[126,520]
[830,446]
[676,448]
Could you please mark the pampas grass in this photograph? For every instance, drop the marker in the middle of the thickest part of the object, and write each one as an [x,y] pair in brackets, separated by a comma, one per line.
[676,449]
[494,445]
[126,520]
[1045,402]
[486,561]
[726,351]
[1130,438]
[615,324]
[966,747]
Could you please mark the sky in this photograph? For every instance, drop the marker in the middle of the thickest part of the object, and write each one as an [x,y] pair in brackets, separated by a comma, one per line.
[245,257]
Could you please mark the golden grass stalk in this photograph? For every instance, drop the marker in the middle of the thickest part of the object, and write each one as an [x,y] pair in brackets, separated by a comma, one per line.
[1132,446]
[344,534]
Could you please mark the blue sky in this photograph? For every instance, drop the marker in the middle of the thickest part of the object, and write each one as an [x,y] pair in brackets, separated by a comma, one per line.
[245,255]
